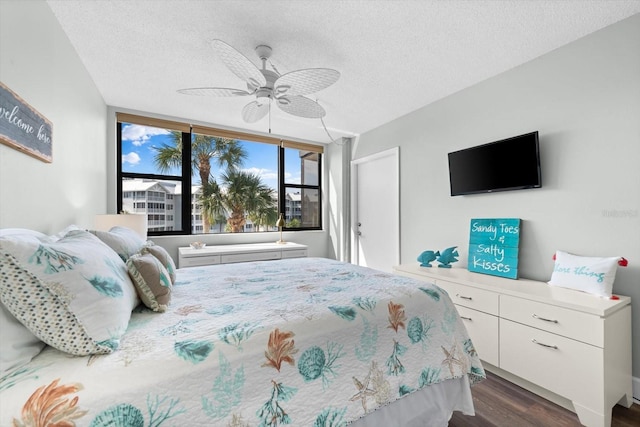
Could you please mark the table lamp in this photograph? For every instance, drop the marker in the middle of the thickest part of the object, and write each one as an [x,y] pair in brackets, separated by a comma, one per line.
[135,222]
[280,223]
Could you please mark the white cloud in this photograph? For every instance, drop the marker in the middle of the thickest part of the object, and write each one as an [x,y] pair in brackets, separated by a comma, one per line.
[262,173]
[271,175]
[131,158]
[139,135]
[290,179]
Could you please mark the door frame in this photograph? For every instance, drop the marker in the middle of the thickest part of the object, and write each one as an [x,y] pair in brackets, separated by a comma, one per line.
[394,152]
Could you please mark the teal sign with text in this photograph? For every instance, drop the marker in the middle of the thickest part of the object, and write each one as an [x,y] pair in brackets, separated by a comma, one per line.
[493,246]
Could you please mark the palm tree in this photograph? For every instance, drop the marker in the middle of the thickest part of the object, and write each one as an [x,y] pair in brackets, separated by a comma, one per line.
[220,220]
[266,214]
[242,195]
[228,154]
[245,195]
[211,202]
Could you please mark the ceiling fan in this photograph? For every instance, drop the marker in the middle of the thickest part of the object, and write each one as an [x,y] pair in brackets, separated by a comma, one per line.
[286,91]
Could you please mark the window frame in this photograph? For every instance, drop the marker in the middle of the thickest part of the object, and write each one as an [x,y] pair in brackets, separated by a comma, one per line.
[282,190]
[185,178]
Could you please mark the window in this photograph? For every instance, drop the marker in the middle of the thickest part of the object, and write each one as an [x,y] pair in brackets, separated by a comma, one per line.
[301,188]
[235,183]
[194,179]
[151,169]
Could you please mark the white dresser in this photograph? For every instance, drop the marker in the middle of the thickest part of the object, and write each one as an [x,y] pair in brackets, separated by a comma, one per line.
[570,347]
[227,254]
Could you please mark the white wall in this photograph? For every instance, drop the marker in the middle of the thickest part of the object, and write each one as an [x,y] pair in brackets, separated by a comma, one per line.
[337,192]
[584,99]
[39,64]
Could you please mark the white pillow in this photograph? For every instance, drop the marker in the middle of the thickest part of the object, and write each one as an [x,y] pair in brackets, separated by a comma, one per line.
[4,232]
[124,241]
[17,344]
[588,274]
[74,293]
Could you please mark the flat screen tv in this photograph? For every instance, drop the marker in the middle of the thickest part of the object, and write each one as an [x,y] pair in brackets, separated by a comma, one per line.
[508,164]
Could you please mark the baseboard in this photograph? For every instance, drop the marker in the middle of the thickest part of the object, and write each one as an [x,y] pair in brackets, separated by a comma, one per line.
[636,389]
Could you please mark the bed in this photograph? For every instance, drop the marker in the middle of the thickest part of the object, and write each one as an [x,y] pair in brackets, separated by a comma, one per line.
[301,342]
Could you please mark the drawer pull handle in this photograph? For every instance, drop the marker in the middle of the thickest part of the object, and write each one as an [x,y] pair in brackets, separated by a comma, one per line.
[535,316]
[555,347]
[466,318]
[463,297]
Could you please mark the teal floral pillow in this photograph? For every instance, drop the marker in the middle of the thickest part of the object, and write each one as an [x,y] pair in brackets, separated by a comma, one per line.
[123,240]
[74,293]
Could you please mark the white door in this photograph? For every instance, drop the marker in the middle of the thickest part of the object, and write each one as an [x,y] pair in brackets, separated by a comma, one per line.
[376,210]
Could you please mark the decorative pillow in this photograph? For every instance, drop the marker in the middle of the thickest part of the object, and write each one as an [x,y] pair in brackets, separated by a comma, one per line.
[74,294]
[123,240]
[151,280]
[163,256]
[588,274]
[17,344]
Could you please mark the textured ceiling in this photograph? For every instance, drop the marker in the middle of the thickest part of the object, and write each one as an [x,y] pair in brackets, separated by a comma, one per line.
[394,56]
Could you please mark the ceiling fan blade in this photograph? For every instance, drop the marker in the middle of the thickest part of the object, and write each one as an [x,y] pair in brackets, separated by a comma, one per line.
[304,82]
[252,112]
[213,91]
[301,107]
[239,64]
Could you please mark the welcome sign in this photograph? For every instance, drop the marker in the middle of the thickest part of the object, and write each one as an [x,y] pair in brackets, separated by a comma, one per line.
[493,246]
[22,127]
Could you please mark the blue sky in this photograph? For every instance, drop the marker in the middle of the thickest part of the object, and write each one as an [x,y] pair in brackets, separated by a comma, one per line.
[138,153]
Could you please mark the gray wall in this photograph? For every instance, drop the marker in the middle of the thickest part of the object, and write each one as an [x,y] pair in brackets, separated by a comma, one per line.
[40,65]
[584,99]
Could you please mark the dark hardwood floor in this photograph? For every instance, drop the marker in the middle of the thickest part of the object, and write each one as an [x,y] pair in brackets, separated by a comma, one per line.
[503,404]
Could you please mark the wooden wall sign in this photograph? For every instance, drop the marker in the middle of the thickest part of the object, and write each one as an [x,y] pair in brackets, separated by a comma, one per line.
[493,246]
[22,127]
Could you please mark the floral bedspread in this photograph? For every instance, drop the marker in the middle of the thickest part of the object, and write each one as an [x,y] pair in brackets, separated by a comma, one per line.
[304,342]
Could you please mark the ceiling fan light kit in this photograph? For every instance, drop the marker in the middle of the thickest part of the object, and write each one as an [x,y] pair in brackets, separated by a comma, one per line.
[287,91]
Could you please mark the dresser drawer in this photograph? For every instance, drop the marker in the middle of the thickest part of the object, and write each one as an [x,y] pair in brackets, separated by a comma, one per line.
[483,331]
[471,297]
[296,253]
[569,368]
[583,327]
[198,261]
[252,256]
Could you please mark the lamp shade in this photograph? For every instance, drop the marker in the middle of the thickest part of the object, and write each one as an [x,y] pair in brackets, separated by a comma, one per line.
[135,222]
